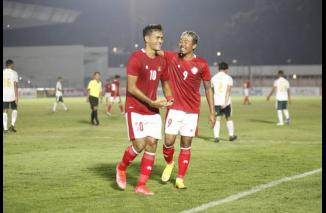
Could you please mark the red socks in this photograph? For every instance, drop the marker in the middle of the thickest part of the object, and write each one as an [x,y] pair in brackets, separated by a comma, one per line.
[146,166]
[129,155]
[184,158]
[168,153]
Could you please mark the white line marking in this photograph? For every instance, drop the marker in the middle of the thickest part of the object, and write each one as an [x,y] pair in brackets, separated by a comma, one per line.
[249,192]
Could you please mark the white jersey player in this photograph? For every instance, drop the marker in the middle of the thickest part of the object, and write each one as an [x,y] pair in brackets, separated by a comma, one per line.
[222,84]
[58,95]
[10,95]
[282,88]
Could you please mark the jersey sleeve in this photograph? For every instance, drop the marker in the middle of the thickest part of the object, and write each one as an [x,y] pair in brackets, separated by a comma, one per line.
[168,55]
[165,73]
[275,84]
[133,66]
[230,82]
[89,85]
[206,74]
[15,77]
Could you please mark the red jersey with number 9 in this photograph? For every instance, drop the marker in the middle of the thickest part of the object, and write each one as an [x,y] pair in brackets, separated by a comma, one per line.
[185,79]
[149,72]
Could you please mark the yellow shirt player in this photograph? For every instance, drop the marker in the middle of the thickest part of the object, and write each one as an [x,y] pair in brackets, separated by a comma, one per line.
[94,91]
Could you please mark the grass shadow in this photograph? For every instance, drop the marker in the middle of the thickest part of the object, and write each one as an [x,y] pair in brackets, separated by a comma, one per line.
[84,122]
[210,139]
[206,138]
[107,170]
[262,121]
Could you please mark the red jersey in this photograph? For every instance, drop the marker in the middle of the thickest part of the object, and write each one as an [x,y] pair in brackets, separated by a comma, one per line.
[185,79]
[115,87]
[247,84]
[107,88]
[149,72]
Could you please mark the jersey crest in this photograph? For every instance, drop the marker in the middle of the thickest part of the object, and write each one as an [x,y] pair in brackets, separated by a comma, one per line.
[194,70]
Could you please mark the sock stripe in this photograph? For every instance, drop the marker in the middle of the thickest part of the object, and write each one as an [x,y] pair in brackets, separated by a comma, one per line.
[185,148]
[168,147]
[134,150]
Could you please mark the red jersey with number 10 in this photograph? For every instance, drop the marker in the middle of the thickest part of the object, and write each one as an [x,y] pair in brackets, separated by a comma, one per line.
[149,72]
[185,79]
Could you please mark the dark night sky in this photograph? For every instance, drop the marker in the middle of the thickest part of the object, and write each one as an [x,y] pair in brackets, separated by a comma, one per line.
[251,31]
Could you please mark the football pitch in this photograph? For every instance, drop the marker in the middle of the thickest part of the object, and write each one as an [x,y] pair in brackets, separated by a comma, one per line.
[58,162]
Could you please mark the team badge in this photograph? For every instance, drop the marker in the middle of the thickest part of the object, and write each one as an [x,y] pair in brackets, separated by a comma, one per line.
[159,69]
[179,66]
[146,67]
[194,70]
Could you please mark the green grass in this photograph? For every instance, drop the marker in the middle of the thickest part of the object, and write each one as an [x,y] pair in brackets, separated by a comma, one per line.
[57,162]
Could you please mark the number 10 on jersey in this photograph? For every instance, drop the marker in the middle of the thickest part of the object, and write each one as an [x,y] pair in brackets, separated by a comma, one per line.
[152,75]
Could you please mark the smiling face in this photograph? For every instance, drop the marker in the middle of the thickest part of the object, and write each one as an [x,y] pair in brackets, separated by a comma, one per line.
[188,42]
[154,40]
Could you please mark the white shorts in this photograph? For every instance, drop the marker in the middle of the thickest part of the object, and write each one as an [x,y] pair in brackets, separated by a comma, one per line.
[246,92]
[141,126]
[178,121]
[107,95]
[115,99]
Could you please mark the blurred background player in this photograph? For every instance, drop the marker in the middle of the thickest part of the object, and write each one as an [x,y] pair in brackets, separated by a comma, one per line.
[115,95]
[145,69]
[59,95]
[10,95]
[246,92]
[222,84]
[186,73]
[94,90]
[282,88]
[107,96]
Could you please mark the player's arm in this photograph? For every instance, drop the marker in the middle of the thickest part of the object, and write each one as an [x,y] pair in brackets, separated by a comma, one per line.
[227,95]
[210,101]
[271,93]
[88,91]
[16,91]
[100,95]
[167,92]
[133,89]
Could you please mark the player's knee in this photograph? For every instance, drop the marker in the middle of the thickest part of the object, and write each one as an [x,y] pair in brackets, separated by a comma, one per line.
[169,140]
[185,142]
[139,145]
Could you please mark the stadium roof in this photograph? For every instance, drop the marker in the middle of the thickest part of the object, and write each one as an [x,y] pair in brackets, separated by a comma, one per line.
[21,15]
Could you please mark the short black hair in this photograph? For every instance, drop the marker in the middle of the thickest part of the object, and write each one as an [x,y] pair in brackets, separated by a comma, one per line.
[97,72]
[223,66]
[117,76]
[280,73]
[9,62]
[59,78]
[150,28]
